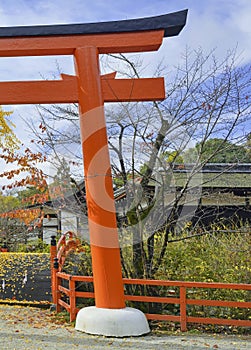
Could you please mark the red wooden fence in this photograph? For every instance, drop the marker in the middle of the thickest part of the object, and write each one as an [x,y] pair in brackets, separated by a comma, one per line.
[183,300]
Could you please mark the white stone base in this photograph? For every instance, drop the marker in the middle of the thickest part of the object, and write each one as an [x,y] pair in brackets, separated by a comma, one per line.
[112,322]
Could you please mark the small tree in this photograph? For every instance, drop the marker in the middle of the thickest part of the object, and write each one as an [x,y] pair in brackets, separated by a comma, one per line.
[20,170]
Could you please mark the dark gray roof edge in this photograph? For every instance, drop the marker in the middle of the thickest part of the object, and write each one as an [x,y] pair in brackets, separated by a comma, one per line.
[172,23]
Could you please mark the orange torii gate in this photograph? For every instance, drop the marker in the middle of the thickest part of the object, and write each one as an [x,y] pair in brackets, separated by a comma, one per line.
[90,90]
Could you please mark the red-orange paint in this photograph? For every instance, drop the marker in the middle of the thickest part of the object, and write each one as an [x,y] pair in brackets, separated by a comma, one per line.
[90,90]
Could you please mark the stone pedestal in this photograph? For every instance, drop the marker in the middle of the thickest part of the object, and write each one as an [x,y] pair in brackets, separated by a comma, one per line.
[124,322]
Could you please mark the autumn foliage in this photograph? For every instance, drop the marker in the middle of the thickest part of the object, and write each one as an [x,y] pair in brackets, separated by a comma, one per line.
[8,138]
[21,170]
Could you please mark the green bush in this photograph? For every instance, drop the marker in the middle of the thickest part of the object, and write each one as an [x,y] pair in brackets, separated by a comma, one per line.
[218,257]
[33,246]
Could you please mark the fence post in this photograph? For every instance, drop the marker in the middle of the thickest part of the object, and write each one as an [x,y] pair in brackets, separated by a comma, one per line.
[55,291]
[53,254]
[72,299]
[183,309]
[4,248]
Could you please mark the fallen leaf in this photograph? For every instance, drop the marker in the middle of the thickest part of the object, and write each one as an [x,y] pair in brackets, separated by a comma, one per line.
[37,325]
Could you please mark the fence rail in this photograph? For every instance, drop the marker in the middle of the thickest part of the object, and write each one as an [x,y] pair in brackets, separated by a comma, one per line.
[182,300]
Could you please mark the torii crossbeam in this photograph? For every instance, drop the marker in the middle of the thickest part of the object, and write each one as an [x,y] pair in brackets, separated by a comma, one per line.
[90,90]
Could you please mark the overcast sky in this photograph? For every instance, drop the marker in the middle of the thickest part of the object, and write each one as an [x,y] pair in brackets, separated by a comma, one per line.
[220,24]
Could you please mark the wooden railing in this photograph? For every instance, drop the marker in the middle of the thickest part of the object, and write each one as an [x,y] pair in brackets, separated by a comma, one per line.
[70,294]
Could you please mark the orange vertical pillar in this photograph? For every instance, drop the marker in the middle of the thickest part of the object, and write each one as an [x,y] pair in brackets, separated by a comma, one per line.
[53,254]
[107,274]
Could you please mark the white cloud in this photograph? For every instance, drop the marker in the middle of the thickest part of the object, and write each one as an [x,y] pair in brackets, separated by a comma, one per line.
[220,25]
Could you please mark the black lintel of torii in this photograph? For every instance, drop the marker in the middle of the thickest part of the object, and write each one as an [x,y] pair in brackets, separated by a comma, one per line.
[171,23]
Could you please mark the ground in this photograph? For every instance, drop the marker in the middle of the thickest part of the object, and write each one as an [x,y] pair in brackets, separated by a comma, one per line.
[38,329]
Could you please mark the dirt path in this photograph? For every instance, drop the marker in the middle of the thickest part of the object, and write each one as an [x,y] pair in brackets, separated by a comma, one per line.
[36,329]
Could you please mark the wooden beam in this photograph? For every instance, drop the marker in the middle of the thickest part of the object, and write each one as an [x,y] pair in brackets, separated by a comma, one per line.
[129,90]
[65,90]
[66,45]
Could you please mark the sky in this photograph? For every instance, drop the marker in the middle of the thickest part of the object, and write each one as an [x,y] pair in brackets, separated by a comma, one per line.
[211,24]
